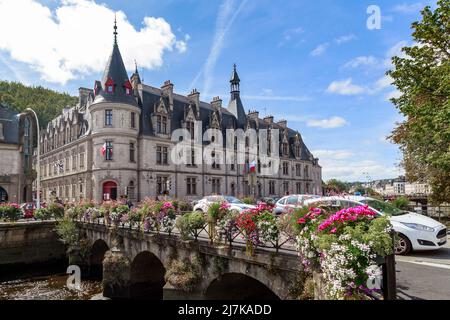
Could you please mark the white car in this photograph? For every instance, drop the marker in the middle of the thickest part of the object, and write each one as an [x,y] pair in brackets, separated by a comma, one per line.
[235,204]
[287,203]
[415,231]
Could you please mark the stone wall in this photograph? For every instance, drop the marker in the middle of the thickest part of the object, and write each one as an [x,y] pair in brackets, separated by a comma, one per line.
[25,243]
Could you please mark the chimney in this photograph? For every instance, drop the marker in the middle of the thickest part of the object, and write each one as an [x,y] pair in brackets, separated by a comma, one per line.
[167,91]
[268,119]
[254,115]
[282,123]
[194,98]
[216,103]
[84,96]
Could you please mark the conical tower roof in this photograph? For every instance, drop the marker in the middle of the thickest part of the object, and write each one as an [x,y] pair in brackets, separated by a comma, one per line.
[115,74]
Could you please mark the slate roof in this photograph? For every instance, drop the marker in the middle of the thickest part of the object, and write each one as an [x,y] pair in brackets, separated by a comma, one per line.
[10,122]
[115,70]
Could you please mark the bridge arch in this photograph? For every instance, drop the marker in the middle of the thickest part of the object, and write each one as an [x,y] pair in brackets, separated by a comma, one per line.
[98,251]
[238,286]
[147,277]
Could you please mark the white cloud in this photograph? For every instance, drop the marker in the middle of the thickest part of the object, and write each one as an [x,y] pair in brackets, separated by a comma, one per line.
[350,169]
[345,165]
[76,38]
[319,50]
[406,8]
[361,61]
[331,123]
[345,38]
[228,12]
[332,154]
[345,87]
[393,94]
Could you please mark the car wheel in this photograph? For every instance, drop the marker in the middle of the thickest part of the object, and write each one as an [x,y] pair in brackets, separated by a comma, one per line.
[402,245]
[199,210]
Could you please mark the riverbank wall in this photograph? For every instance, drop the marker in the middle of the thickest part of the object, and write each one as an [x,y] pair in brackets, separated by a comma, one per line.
[27,244]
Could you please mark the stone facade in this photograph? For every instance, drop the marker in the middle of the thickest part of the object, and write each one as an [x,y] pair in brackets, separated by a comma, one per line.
[117,141]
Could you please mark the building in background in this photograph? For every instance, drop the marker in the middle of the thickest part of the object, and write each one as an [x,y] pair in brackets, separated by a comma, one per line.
[117,142]
[17,142]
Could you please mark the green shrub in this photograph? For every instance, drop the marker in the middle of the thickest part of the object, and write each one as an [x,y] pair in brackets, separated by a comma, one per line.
[67,231]
[183,275]
[56,210]
[190,224]
[10,212]
[249,200]
[401,203]
[43,214]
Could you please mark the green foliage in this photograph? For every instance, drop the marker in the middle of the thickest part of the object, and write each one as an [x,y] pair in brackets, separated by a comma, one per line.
[216,212]
[249,200]
[190,224]
[47,103]
[423,78]
[56,210]
[401,203]
[337,186]
[43,214]
[67,231]
[184,275]
[10,212]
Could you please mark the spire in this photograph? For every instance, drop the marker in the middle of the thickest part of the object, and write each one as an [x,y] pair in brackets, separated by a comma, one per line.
[115,30]
[235,106]
[234,81]
[234,76]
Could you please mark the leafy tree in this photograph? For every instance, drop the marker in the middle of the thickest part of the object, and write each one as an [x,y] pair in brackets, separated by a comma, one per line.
[401,203]
[423,78]
[337,186]
[47,103]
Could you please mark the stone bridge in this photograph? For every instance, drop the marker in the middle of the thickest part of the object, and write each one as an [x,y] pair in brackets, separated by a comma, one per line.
[134,264]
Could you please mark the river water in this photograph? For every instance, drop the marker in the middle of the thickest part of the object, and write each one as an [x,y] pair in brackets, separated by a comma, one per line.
[47,287]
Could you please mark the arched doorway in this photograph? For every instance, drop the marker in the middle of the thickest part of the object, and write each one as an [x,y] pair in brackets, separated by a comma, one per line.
[109,190]
[147,277]
[98,251]
[236,286]
[3,195]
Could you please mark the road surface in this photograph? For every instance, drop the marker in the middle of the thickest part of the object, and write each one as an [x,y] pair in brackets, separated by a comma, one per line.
[424,275]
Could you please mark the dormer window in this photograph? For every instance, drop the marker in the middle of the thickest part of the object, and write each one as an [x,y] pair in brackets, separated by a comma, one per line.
[109,85]
[128,88]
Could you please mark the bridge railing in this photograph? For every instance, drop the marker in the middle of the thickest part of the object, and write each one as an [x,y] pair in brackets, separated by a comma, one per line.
[283,241]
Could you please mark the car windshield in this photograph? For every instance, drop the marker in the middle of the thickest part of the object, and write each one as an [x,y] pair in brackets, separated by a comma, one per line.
[233,200]
[384,207]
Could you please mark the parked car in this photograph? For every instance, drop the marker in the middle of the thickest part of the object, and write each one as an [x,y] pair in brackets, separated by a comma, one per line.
[285,204]
[28,210]
[415,231]
[235,204]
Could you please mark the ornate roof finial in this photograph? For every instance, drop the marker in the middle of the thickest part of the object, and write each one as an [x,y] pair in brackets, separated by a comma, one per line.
[115,29]
[136,66]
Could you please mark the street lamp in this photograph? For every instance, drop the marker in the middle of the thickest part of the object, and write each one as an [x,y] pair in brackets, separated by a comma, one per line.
[38,161]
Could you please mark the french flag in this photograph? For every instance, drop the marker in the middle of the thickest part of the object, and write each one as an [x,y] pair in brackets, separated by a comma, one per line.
[252,167]
[103,149]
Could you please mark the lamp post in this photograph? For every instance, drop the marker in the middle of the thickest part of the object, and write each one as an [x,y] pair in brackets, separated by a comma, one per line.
[38,161]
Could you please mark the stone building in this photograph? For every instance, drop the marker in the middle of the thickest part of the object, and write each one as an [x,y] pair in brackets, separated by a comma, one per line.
[17,141]
[118,139]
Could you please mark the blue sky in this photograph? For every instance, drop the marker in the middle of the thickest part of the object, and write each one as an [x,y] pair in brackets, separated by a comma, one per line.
[314,63]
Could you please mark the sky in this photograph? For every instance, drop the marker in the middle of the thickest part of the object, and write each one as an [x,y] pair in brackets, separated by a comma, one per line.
[316,64]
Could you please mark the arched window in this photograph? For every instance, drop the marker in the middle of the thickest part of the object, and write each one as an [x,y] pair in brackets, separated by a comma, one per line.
[131,191]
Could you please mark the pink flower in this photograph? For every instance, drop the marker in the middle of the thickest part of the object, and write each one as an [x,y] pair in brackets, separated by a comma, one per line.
[301,221]
[333,230]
